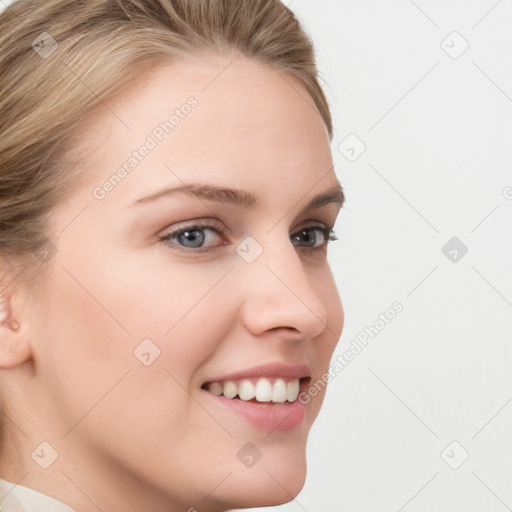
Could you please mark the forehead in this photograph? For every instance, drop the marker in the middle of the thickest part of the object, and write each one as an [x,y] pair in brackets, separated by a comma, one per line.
[248,122]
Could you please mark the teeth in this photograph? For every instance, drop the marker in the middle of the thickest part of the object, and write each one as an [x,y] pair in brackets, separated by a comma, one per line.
[246,390]
[263,390]
[229,390]
[216,388]
[292,390]
[279,391]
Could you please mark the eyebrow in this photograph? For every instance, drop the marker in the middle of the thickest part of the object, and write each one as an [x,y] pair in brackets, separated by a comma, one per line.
[240,198]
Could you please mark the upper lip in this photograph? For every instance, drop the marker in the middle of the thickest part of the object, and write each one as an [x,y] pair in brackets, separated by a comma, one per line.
[276,369]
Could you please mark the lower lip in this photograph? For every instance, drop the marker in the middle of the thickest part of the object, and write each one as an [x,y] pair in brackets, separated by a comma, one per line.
[269,416]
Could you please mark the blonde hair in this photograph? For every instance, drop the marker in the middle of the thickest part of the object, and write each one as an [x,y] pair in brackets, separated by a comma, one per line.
[61,58]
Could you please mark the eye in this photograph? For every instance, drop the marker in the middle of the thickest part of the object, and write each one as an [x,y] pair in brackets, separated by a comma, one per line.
[313,237]
[195,236]
[199,237]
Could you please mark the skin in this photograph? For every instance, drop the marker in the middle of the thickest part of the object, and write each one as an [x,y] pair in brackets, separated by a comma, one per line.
[133,437]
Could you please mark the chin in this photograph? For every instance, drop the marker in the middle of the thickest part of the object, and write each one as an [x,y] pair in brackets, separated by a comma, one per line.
[273,481]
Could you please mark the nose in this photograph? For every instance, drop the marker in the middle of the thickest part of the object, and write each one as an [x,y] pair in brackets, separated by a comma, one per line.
[280,295]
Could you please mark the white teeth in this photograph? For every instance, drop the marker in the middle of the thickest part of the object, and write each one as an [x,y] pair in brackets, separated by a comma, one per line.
[246,390]
[263,390]
[279,391]
[229,390]
[292,390]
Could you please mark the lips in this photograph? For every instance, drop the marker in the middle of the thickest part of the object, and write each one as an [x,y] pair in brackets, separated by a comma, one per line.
[264,395]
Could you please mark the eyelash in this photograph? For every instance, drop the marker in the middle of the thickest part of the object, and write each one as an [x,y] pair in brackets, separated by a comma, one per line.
[328,234]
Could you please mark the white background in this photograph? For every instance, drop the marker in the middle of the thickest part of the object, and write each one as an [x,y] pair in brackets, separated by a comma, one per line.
[438,137]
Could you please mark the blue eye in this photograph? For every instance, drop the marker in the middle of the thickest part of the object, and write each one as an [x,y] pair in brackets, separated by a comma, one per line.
[193,236]
[199,237]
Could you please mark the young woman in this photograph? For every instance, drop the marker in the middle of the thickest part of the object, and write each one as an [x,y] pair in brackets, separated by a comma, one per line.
[167,194]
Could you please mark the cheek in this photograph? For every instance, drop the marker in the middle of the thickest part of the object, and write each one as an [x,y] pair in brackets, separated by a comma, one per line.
[106,300]
[177,306]
[335,312]
[335,315]
[322,349]
[98,317]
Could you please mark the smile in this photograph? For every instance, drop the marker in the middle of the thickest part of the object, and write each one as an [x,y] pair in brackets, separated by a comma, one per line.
[265,396]
[258,389]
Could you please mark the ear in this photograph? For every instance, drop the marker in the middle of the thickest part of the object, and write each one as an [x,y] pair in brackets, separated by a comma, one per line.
[14,345]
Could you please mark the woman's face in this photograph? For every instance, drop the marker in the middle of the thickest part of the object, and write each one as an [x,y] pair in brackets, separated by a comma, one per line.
[151,305]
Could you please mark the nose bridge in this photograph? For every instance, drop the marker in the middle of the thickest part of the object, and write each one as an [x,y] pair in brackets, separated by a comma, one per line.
[279,292]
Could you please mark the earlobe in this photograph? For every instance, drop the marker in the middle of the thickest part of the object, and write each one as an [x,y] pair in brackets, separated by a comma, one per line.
[14,349]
